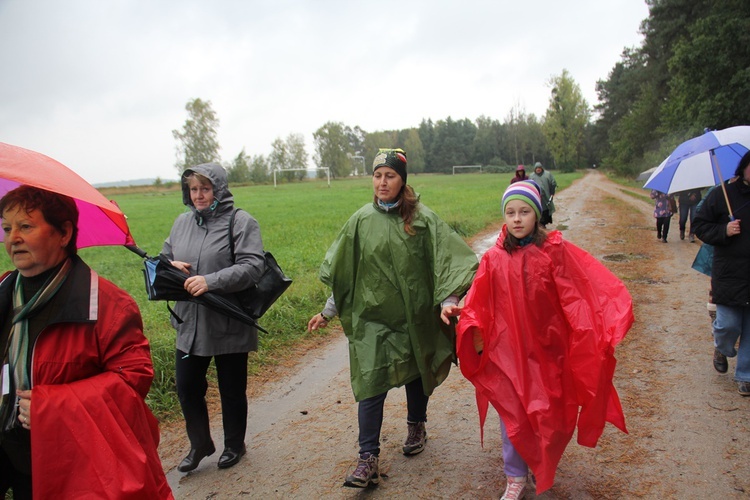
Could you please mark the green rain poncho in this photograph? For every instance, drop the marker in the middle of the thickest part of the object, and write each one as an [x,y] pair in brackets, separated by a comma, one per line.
[388,286]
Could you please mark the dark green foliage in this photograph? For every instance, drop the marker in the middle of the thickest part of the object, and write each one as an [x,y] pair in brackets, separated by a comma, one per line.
[691,72]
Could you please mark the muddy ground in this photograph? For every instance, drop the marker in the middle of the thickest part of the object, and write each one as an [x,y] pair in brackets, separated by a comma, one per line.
[689,433]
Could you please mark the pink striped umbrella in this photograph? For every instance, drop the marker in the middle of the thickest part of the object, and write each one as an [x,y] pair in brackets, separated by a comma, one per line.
[100,221]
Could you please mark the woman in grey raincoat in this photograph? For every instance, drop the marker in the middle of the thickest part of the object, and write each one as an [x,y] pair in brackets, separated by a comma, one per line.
[395,270]
[199,245]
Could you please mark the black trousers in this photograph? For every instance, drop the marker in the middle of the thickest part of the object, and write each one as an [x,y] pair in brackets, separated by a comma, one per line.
[662,227]
[370,415]
[13,479]
[546,218]
[231,371]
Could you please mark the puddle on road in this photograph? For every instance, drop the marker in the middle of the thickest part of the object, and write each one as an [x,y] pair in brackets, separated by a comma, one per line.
[481,246]
[624,257]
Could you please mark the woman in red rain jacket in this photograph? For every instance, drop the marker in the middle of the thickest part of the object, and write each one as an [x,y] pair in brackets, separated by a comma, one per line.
[76,367]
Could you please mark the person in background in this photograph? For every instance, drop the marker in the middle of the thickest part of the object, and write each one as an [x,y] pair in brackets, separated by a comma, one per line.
[199,246]
[729,234]
[687,203]
[520,174]
[395,269]
[537,336]
[548,185]
[663,210]
[77,367]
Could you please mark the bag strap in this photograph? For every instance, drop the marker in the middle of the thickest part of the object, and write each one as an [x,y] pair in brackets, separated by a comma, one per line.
[231,227]
[231,235]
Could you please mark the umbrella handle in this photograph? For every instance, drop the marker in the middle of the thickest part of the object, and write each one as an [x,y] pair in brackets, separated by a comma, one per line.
[721,181]
[137,251]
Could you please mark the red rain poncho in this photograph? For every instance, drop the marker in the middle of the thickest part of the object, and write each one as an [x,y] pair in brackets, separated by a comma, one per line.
[550,318]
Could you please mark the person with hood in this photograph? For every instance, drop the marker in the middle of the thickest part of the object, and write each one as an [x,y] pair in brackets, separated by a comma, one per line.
[548,185]
[199,245]
[728,232]
[537,337]
[74,422]
[520,174]
[395,269]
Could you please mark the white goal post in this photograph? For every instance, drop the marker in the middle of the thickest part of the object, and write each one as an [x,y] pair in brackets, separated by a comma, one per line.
[466,166]
[328,172]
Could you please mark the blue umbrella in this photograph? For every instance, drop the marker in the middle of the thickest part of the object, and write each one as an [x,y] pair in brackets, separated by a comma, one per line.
[703,161]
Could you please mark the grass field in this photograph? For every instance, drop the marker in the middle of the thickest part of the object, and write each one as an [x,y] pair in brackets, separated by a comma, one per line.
[298,222]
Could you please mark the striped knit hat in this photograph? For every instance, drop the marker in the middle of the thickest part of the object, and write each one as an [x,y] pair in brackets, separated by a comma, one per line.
[526,191]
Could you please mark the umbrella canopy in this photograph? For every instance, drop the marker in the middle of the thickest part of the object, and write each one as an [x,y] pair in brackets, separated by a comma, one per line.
[166,282]
[100,221]
[703,161]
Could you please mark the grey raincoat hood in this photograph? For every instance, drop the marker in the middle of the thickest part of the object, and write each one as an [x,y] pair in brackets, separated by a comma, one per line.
[223,199]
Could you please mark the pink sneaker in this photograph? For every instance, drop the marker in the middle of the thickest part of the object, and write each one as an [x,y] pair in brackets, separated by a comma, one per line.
[515,488]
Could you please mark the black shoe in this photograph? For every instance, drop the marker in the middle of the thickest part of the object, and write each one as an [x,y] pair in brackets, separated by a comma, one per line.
[720,362]
[231,456]
[664,239]
[682,234]
[193,458]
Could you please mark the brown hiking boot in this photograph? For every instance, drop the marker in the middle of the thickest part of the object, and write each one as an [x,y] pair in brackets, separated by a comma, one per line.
[416,438]
[365,473]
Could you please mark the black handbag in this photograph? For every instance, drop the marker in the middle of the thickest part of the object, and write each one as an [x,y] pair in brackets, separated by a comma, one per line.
[256,300]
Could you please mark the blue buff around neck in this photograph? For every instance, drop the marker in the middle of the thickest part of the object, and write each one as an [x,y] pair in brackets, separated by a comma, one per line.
[525,241]
[388,206]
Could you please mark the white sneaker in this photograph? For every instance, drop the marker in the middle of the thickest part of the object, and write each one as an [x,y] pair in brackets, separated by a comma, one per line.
[515,489]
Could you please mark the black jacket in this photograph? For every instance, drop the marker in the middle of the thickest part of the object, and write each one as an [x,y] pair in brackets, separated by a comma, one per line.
[730,274]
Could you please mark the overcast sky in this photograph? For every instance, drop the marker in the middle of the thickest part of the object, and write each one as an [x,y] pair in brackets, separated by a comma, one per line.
[100,85]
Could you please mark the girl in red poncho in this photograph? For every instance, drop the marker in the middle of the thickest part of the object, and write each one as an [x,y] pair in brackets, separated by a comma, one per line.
[536,337]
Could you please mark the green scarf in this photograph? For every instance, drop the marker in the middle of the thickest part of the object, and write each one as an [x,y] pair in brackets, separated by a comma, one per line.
[17,350]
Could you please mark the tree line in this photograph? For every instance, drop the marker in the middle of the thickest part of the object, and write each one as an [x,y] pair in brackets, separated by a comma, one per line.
[691,72]
[433,147]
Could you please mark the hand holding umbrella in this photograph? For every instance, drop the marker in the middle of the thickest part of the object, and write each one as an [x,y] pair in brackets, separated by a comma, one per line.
[196,285]
[167,281]
[733,228]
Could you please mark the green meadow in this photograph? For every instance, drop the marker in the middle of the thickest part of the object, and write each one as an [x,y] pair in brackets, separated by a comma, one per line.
[298,222]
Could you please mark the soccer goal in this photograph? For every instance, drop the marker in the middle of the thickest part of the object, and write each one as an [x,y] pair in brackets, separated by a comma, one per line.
[461,167]
[327,170]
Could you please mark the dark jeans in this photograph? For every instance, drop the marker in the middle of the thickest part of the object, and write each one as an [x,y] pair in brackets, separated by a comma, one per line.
[687,211]
[12,479]
[231,372]
[370,415]
[662,227]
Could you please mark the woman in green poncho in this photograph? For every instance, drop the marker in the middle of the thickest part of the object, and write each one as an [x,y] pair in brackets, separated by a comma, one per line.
[396,270]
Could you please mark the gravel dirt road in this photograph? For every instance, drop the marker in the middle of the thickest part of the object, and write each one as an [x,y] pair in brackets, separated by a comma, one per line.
[689,433]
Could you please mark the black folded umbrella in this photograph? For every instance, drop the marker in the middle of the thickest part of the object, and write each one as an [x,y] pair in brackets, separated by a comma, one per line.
[166,282]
